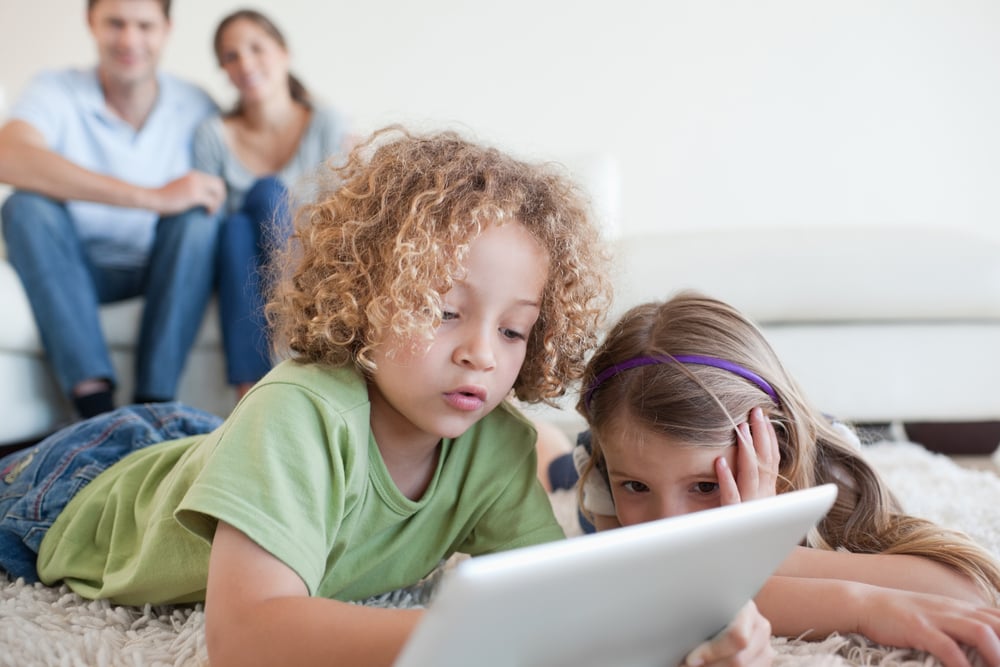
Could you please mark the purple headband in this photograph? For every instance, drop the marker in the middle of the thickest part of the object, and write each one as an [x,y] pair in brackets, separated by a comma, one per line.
[635,362]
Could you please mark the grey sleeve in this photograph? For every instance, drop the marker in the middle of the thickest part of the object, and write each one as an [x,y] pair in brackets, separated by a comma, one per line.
[209,147]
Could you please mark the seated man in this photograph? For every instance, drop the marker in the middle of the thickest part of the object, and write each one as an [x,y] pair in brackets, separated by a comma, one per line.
[107,206]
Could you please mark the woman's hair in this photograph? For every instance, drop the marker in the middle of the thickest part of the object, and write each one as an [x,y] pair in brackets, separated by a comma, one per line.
[701,404]
[384,241]
[296,89]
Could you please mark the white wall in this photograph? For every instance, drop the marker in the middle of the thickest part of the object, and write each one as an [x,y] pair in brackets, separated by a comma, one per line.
[718,112]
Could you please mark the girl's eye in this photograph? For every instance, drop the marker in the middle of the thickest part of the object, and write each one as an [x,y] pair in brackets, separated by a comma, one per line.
[511,334]
[635,487]
[706,488]
[448,315]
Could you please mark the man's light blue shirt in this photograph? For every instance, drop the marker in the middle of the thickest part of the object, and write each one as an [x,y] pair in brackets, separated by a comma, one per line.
[69,110]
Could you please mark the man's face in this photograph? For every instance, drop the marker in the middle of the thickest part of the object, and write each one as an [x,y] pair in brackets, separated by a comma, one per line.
[130,35]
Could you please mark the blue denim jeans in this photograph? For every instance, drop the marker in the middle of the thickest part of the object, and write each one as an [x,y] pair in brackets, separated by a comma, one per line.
[65,286]
[36,483]
[247,237]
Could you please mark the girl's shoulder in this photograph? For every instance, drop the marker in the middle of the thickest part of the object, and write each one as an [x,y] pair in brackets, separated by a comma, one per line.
[328,122]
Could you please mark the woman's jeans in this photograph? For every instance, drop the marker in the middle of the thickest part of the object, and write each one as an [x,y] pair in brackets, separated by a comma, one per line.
[65,286]
[247,239]
[36,483]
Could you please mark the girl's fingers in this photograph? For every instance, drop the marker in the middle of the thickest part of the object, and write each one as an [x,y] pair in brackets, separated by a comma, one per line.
[729,492]
[746,462]
[765,442]
[757,459]
[745,641]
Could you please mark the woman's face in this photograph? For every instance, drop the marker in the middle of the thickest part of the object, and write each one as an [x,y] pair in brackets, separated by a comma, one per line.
[255,62]
[654,476]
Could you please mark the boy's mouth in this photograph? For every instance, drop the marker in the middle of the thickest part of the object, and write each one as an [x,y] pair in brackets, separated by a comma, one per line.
[466,398]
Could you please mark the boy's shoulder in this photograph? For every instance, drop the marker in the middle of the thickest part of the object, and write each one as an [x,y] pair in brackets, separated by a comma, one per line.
[343,386]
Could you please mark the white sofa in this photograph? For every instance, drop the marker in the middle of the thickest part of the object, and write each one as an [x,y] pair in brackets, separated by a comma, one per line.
[879,323]
[31,403]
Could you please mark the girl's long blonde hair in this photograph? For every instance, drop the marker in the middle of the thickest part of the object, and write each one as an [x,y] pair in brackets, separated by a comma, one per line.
[703,404]
[373,255]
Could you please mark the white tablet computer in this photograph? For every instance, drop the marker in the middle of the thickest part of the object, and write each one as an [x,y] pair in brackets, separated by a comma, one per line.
[641,596]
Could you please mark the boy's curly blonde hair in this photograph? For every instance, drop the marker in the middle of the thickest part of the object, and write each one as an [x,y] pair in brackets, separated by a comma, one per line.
[374,254]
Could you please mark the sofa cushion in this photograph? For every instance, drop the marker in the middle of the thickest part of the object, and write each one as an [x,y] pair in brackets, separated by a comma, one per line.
[120,321]
[820,274]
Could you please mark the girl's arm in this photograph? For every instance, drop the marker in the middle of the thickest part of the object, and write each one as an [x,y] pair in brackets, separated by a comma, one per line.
[814,608]
[755,476]
[258,612]
[910,573]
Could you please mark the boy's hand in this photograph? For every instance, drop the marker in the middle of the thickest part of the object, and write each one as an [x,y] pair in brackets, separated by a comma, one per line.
[757,460]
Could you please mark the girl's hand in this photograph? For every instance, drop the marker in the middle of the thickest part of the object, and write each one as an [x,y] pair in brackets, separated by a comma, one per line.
[746,642]
[757,460]
[932,623]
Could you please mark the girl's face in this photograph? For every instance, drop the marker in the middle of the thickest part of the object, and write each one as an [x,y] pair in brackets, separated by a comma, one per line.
[256,64]
[654,476]
[477,352]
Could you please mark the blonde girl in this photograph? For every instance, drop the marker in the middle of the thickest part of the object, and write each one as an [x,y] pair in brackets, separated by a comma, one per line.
[688,405]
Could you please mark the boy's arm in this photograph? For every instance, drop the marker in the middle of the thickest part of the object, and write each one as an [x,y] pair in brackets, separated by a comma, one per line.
[258,612]
[905,572]
[815,608]
[27,163]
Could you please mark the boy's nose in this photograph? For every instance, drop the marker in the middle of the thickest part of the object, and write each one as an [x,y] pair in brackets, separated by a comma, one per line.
[476,351]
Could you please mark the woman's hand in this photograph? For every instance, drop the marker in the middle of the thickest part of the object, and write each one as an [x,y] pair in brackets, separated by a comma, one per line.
[746,642]
[757,460]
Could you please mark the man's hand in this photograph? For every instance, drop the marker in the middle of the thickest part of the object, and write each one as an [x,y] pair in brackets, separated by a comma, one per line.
[195,188]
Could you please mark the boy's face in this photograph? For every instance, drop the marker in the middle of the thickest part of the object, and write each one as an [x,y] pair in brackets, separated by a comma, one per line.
[654,476]
[420,397]
[130,36]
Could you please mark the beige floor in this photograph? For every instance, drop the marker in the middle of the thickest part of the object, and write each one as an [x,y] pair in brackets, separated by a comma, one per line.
[977,463]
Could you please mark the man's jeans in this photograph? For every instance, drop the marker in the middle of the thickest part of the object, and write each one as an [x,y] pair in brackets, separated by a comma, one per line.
[36,483]
[65,287]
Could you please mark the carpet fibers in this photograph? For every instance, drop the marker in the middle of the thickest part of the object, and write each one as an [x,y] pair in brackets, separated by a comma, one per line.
[51,626]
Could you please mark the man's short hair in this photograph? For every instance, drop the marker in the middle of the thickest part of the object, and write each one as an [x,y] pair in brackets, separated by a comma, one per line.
[165,4]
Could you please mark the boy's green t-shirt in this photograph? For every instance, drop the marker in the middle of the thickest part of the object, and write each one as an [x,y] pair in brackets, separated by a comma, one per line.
[296,469]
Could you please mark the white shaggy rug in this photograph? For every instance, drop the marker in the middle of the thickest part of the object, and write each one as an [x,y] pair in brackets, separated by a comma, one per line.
[51,626]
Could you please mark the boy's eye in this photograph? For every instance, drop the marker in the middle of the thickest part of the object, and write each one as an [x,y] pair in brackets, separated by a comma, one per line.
[633,486]
[706,488]
[511,334]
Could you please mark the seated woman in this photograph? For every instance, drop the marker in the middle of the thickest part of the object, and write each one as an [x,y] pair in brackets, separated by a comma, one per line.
[689,408]
[274,138]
